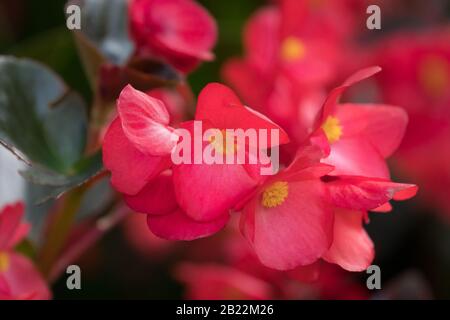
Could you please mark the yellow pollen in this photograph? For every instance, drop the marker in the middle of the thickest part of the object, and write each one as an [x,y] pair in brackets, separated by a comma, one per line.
[292,49]
[4,262]
[333,129]
[221,146]
[434,75]
[275,194]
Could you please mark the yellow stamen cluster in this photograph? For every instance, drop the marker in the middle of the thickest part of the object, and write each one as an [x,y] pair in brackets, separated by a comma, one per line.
[292,49]
[221,146]
[332,128]
[434,75]
[275,194]
[4,262]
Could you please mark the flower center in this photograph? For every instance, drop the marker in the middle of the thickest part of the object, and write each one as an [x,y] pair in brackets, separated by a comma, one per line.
[332,128]
[4,262]
[434,75]
[292,49]
[221,146]
[275,194]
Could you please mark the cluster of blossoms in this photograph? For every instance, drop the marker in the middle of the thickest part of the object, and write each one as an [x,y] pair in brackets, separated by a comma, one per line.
[327,161]
[312,209]
[333,168]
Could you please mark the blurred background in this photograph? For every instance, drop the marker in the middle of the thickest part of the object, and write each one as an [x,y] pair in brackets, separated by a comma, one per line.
[412,242]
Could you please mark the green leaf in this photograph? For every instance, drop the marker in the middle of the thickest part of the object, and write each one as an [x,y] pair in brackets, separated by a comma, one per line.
[44,124]
[39,116]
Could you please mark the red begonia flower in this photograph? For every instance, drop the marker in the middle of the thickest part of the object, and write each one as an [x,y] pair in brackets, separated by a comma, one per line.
[288,222]
[179,31]
[19,279]
[206,191]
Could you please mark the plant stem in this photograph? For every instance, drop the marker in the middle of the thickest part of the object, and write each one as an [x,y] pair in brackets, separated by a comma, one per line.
[88,239]
[59,229]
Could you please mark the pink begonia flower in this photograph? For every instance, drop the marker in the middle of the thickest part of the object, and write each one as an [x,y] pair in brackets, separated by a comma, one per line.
[289,222]
[277,44]
[361,136]
[180,31]
[136,149]
[207,191]
[19,278]
[296,217]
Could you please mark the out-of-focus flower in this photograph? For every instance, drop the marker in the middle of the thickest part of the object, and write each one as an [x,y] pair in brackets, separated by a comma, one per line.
[19,279]
[417,77]
[217,282]
[145,243]
[206,191]
[286,42]
[179,31]
[240,275]
[293,50]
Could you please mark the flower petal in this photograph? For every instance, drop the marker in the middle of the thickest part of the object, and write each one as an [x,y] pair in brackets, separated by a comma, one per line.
[361,193]
[383,126]
[178,226]
[335,94]
[352,248]
[12,231]
[24,280]
[156,198]
[206,192]
[295,233]
[145,122]
[262,38]
[357,157]
[219,105]
[130,168]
